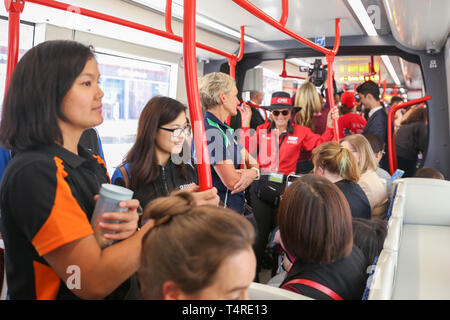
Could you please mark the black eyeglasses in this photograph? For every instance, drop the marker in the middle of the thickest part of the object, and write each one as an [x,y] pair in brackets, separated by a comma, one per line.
[276,113]
[178,131]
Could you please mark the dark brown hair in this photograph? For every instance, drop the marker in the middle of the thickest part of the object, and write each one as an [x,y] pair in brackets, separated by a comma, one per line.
[369,236]
[416,115]
[38,85]
[427,172]
[315,221]
[141,157]
[336,159]
[188,243]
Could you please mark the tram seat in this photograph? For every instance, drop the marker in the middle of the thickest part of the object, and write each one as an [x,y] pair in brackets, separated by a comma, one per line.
[415,260]
[383,280]
[259,291]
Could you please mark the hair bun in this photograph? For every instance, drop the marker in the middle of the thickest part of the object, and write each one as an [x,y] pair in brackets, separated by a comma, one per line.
[164,209]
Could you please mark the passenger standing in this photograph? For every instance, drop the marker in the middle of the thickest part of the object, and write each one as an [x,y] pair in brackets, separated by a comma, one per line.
[196,252]
[279,147]
[48,189]
[338,165]
[218,94]
[258,115]
[369,180]
[316,230]
[154,166]
[350,122]
[411,139]
[369,93]
[312,116]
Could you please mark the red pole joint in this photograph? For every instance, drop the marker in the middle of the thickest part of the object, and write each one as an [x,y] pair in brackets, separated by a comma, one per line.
[15,8]
[193,95]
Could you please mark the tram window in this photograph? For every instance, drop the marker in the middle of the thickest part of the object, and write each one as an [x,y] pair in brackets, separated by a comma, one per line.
[25,43]
[271,83]
[127,85]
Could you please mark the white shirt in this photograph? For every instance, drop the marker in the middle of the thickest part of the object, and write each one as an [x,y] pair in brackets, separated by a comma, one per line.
[371,112]
[261,111]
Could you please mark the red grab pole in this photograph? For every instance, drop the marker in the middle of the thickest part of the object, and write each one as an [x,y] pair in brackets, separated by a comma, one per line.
[235,59]
[168,16]
[15,8]
[195,109]
[284,12]
[391,137]
[285,75]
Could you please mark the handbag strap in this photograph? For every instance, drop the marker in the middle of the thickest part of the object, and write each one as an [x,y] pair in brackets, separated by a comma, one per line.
[313,284]
[125,176]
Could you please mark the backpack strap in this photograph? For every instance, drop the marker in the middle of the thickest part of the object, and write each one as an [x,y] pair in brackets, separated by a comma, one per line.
[125,176]
[313,284]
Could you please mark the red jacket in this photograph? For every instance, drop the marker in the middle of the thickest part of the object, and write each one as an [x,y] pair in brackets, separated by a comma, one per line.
[353,122]
[283,159]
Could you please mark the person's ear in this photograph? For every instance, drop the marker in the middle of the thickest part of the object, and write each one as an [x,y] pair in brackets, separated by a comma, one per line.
[171,291]
[222,97]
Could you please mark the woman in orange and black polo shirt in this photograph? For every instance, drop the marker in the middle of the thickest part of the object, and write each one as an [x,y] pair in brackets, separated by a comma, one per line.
[47,192]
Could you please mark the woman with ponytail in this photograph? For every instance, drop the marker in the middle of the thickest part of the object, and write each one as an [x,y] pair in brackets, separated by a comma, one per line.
[338,165]
[195,252]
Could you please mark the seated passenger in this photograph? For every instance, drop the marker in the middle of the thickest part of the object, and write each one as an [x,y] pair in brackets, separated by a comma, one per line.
[369,180]
[378,146]
[338,165]
[316,230]
[48,189]
[279,144]
[153,166]
[427,172]
[369,236]
[218,96]
[196,252]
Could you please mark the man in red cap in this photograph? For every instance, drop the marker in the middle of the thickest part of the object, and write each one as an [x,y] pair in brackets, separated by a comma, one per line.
[350,122]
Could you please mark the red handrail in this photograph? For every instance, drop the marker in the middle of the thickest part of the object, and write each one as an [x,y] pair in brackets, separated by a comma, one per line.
[126,23]
[284,12]
[391,137]
[195,109]
[168,16]
[14,9]
[330,54]
[235,59]
[285,75]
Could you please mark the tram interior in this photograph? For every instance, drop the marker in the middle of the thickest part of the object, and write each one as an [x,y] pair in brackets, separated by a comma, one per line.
[408,41]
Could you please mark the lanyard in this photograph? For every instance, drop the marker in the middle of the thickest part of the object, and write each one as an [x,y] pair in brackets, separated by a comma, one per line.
[215,125]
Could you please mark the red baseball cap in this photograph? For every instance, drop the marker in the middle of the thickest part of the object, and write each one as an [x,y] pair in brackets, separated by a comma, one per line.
[348,100]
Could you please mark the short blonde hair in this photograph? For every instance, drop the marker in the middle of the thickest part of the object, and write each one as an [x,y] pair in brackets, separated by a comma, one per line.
[360,144]
[211,85]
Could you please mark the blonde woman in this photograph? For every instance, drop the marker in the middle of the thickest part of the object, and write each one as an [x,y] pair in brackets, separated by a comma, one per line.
[369,181]
[310,115]
[218,95]
[338,165]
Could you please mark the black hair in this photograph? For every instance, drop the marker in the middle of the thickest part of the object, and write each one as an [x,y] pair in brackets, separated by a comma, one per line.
[396,99]
[369,87]
[38,85]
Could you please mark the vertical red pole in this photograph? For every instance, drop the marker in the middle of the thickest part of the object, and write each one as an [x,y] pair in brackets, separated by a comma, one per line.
[168,16]
[232,64]
[330,91]
[193,95]
[14,7]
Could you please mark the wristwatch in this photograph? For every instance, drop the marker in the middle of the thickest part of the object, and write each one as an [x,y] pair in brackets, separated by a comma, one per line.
[257,170]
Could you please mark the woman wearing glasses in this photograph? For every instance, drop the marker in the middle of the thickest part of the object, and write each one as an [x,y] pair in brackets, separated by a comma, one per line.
[154,166]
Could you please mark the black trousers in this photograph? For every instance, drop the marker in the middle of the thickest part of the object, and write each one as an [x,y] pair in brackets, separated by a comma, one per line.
[266,220]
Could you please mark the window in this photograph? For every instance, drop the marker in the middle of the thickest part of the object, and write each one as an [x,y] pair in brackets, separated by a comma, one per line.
[128,84]
[25,42]
[271,83]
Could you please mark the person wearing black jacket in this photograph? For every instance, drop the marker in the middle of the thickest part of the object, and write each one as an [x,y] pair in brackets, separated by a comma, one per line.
[369,93]
[153,167]
[258,115]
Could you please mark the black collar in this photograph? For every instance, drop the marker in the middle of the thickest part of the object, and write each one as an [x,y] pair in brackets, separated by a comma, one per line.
[68,157]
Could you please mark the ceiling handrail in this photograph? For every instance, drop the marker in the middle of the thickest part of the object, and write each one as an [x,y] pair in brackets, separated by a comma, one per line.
[330,54]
